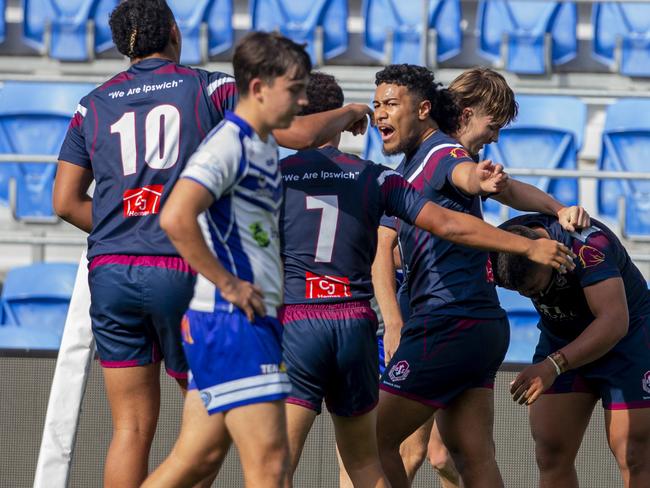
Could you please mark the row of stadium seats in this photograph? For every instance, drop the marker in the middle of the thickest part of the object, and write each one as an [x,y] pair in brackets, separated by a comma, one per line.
[547,134]
[526,37]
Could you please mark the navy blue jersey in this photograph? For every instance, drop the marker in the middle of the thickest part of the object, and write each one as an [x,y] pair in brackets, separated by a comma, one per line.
[444,278]
[332,205]
[563,307]
[136,132]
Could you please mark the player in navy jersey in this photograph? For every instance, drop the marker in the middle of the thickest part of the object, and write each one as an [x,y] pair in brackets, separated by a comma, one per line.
[594,345]
[332,207]
[457,335]
[133,136]
[223,216]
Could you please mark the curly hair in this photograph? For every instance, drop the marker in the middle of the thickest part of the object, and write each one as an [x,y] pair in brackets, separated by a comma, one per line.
[420,81]
[141,28]
[512,270]
[323,93]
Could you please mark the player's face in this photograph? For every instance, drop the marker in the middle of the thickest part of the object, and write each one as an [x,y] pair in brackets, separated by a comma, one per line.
[476,130]
[539,282]
[284,99]
[398,118]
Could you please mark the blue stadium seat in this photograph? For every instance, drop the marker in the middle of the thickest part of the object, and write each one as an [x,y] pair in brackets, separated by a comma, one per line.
[190,16]
[523,319]
[37,297]
[16,337]
[547,133]
[533,31]
[626,147]
[2,20]
[622,36]
[373,152]
[404,20]
[72,37]
[300,20]
[34,118]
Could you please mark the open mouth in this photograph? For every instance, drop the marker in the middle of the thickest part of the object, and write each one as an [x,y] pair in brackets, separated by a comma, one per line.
[386,132]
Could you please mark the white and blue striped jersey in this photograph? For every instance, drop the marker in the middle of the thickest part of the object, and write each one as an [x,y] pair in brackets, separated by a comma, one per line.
[241,227]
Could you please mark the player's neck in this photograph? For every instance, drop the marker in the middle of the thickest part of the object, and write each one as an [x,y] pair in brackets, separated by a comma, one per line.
[252,116]
[154,56]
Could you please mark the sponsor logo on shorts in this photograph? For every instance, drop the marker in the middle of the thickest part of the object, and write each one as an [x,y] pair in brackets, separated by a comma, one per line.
[399,371]
[185,330]
[273,368]
[206,397]
[326,286]
[590,256]
[139,202]
[645,382]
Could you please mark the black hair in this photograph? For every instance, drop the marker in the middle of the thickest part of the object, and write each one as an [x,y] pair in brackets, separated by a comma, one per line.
[513,270]
[421,82]
[268,55]
[141,28]
[323,93]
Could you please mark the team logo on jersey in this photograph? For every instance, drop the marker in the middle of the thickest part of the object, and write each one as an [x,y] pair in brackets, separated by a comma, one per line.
[259,234]
[327,286]
[645,382]
[399,371]
[590,256]
[489,272]
[139,202]
[185,330]
[459,152]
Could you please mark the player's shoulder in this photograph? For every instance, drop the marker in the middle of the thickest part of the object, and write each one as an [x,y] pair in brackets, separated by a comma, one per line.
[224,137]
[440,145]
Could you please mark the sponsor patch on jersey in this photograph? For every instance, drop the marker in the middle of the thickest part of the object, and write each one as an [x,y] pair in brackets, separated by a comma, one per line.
[645,382]
[326,286]
[139,202]
[459,152]
[399,371]
[590,256]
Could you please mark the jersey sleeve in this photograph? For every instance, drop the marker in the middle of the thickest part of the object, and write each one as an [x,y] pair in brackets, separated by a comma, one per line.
[596,259]
[444,163]
[74,149]
[399,197]
[223,92]
[218,163]
[388,221]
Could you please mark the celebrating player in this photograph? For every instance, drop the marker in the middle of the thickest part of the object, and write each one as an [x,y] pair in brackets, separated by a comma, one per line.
[595,325]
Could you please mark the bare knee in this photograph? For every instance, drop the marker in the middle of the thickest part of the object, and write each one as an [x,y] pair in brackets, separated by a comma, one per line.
[553,455]
[632,455]
[413,454]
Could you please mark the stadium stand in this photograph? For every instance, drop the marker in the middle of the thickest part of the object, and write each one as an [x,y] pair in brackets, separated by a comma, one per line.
[394,32]
[206,27]
[527,37]
[626,147]
[34,117]
[322,24]
[34,304]
[548,133]
[523,320]
[622,36]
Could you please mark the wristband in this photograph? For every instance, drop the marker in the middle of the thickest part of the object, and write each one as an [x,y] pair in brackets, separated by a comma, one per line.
[555,365]
[560,360]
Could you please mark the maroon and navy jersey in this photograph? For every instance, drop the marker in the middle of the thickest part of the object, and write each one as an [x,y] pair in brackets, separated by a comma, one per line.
[563,307]
[444,278]
[136,132]
[332,206]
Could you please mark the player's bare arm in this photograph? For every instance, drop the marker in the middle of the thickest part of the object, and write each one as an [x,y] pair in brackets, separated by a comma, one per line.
[608,304]
[178,219]
[479,179]
[383,282]
[468,230]
[317,129]
[70,199]
[529,198]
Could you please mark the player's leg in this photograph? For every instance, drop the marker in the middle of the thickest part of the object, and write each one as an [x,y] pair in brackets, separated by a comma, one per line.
[413,450]
[441,460]
[558,423]
[628,433]
[299,422]
[199,451]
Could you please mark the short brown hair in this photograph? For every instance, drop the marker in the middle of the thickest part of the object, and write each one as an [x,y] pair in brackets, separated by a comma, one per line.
[323,93]
[488,91]
[268,55]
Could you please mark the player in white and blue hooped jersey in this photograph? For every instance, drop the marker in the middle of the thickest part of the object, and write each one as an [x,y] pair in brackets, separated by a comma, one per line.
[223,217]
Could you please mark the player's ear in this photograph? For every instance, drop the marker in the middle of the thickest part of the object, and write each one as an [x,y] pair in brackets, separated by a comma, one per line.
[424,109]
[255,88]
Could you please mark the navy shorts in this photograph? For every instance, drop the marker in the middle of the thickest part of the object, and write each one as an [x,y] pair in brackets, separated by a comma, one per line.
[234,362]
[620,378]
[331,353]
[136,306]
[439,358]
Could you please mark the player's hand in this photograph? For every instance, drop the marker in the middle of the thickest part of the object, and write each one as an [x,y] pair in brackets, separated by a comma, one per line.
[532,382]
[492,178]
[245,295]
[392,335]
[552,253]
[572,218]
[361,112]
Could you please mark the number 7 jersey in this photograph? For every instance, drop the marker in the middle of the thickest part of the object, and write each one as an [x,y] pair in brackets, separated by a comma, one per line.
[135,133]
